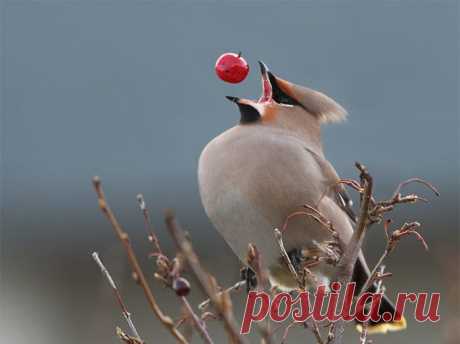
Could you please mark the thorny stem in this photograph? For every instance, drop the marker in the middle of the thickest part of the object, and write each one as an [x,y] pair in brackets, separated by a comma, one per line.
[120,301]
[138,273]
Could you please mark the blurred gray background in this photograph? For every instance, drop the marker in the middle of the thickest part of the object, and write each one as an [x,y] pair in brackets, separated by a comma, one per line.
[126,90]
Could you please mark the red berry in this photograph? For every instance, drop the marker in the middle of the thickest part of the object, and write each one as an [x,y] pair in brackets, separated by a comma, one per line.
[181,286]
[232,68]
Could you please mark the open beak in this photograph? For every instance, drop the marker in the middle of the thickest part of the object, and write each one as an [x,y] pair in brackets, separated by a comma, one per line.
[267,89]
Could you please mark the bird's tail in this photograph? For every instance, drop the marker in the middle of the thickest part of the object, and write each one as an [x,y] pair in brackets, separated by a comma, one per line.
[397,322]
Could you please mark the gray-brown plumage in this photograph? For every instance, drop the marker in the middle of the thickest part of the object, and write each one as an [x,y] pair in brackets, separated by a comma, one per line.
[268,166]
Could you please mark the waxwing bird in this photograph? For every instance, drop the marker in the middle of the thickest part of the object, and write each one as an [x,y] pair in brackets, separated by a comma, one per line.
[254,175]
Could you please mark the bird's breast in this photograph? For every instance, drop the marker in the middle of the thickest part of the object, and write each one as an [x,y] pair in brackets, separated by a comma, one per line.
[250,183]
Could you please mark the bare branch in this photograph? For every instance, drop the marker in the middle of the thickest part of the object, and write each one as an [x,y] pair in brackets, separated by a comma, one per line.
[315,330]
[347,262]
[406,229]
[331,333]
[287,260]
[349,182]
[255,262]
[286,332]
[343,255]
[220,301]
[148,225]
[237,286]
[415,180]
[127,339]
[315,215]
[200,325]
[120,301]
[379,290]
[363,335]
[392,241]
[381,208]
[135,266]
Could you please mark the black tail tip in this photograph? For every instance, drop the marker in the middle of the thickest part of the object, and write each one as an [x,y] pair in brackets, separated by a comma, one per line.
[384,327]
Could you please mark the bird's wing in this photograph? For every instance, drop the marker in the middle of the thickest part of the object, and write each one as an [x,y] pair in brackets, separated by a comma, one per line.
[342,198]
[346,203]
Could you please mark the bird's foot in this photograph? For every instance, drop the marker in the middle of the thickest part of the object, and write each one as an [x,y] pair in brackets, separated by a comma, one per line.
[248,275]
[296,257]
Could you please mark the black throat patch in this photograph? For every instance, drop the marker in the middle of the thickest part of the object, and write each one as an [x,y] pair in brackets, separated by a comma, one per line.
[249,114]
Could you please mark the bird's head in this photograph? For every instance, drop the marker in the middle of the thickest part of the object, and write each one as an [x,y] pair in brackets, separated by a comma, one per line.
[285,103]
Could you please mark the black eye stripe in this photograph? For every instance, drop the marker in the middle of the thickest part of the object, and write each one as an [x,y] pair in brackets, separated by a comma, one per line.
[278,94]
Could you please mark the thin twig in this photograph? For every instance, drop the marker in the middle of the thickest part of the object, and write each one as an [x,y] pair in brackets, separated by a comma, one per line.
[331,256]
[127,339]
[315,330]
[378,290]
[415,180]
[347,262]
[380,208]
[373,273]
[286,331]
[320,218]
[330,334]
[349,182]
[392,240]
[237,286]
[287,260]
[120,301]
[137,271]
[317,333]
[148,225]
[220,301]
[315,215]
[254,260]
[170,273]
[363,335]
[200,325]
